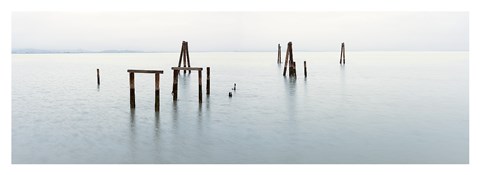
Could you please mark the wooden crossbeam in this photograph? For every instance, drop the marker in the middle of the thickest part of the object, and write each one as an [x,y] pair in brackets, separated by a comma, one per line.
[145,71]
[187,68]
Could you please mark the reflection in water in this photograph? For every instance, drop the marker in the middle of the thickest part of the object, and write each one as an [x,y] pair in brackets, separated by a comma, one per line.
[290,87]
[132,134]
[132,120]
[157,122]
[342,77]
[157,142]
[175,114]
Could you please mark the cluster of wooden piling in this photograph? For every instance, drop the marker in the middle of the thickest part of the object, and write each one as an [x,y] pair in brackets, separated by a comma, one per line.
[176,71]
[185,56]
[292,71]
[342,53]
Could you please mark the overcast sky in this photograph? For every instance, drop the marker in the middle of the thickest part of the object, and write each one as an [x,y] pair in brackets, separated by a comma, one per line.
[241,31]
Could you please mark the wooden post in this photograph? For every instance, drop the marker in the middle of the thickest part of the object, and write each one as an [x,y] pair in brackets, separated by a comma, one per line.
[188,58]
[175,84]
[305,68]
[98,76]
[343,48]
[181,54]
[157,92]
[342,53]
[208,80]
[279,57]
[185,57]
[294,69]
[286,59]
[200,86]
[132,90]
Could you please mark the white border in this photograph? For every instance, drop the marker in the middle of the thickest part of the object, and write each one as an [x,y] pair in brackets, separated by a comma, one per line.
[242,5]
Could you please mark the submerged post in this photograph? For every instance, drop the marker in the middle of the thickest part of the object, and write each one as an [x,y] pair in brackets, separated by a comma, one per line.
[208,80]
[200,86]
[305,68]
[175,84]
[98,76]
[132,90]
[157,92]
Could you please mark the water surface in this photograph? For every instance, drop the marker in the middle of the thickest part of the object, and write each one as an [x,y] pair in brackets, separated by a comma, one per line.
[381,107]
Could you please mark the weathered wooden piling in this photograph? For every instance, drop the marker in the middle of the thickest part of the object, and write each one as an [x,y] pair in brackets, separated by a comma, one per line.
[208,80]
[342,53]
[279,57]
[305,68]
[132,90]
[98,76]
[157,92]
[200,86]
[157,86]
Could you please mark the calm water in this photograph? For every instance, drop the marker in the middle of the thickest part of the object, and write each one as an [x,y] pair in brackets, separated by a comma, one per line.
[381,107]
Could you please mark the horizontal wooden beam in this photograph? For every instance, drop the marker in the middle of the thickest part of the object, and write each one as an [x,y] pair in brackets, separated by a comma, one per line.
[187,68]
[145,71]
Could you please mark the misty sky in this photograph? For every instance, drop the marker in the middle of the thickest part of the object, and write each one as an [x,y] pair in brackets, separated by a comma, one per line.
[241,31]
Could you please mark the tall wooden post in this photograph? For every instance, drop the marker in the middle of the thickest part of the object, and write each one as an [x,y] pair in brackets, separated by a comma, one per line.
[188,57]
[132,90]
[181,54]
[185,57]
[157,92]
[98,76]
[208,80]
[343,46]
[286,59]
[305,68]
[200,86]
[175,84]
[342,53]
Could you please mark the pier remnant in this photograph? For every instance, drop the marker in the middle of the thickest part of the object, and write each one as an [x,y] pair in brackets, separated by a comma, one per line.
[98,77]
[208,80]
[342,53]
[157,86]
[185,56]
[176,71]
[289,62]
[279,57]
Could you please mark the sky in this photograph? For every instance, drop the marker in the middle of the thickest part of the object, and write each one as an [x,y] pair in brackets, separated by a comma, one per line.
[241,31]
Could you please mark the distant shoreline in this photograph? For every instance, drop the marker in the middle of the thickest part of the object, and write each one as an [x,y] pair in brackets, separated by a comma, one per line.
[100,52]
